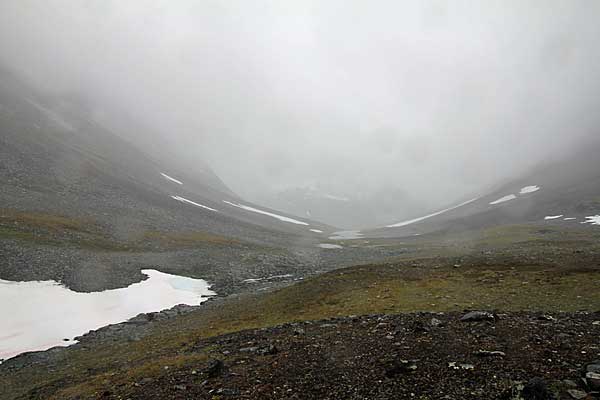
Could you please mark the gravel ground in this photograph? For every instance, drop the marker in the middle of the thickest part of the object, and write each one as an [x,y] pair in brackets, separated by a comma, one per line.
[411,356]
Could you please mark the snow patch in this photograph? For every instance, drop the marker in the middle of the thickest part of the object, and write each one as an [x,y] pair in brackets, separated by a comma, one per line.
[594,220]
[171,178]
[316,230]
[551,217]
[336,198]
[529,189]
[256,210]
[330,246]
[183,200]
[268,278]
[570,219]
[346,235]
[412,221]
[39,315]
[503,199]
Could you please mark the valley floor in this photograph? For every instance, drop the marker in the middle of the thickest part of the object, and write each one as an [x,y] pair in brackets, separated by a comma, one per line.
[386,330]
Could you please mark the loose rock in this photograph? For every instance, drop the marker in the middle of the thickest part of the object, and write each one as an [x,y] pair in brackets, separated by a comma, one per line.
[478,316]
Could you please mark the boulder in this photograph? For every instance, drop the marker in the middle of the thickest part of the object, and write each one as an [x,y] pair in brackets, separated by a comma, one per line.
[478,316]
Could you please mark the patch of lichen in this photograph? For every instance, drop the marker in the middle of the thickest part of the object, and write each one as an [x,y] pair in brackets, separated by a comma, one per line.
[35,228]
[187,239]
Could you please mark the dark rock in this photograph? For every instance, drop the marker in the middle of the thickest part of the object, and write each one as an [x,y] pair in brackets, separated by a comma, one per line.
[214,368]
[569,383]
[593,380]
[269,350]
[577,394]
[537,389]
[420,327]
[400,367]
[594,367]
[248,349]
[227,392]
[299,331]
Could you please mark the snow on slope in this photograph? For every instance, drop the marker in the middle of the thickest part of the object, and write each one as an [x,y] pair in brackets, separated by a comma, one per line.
[346,235]
[330,246]
[551,217]
[594,220]
[336,198]
[524,190]
[503,199]
[256,210]
[529,189]
[183,200]
[171,179]
[412,221]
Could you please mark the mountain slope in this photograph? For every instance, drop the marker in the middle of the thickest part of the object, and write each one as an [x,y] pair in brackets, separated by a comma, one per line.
[562,192]
[80,205]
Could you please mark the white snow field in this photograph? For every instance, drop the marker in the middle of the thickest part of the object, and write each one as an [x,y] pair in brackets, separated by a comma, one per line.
[169,178]
[503,199]
[256,210]
[268,278]
[594,220]
[330,246]
[412,221]
[39,315]
[529,189]
[183,200]
[336,198]
[346,235]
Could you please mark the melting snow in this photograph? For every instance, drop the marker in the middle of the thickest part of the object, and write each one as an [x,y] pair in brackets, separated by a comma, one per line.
[39,315]
[316,231]
[412,221]
[346,235]
[549,217]
[570,219]
[171,179]
[594,220]
[179,198]
[337,198]
[529,189]
[503,199]
[330,246]
[268,278]
[279,217]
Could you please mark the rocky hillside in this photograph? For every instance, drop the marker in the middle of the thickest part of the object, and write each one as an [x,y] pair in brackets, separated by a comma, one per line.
[476,355]
[81,205]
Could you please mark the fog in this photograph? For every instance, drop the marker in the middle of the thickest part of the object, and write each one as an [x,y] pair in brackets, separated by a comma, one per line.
[407,106]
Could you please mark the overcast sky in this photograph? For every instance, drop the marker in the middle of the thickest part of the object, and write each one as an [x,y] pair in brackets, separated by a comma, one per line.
[435,98]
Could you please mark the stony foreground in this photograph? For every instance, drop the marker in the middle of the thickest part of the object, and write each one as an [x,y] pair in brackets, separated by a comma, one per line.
[409,356]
